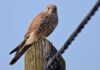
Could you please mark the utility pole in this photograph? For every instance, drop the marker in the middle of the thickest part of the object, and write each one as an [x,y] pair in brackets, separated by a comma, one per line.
[39,54]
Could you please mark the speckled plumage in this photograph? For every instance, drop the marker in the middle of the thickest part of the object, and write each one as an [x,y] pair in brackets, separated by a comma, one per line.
[42,26]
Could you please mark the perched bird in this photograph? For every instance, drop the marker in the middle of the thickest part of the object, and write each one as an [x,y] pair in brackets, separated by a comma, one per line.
[41,27]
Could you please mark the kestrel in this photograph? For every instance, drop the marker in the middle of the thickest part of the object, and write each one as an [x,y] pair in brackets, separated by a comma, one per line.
[41,27]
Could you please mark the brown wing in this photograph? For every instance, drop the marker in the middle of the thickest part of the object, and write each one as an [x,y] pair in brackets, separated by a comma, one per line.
[43,24]
[36,23]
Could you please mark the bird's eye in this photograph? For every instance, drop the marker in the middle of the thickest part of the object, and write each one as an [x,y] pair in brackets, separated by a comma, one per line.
[48,7]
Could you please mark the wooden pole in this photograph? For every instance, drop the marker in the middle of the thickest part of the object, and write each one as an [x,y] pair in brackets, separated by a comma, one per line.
[39,54]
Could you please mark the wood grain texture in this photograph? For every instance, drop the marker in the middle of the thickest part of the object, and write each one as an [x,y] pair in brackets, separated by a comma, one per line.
[39,54]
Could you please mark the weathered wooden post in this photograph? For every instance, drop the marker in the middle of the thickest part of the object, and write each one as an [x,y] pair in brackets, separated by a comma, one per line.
[38,55]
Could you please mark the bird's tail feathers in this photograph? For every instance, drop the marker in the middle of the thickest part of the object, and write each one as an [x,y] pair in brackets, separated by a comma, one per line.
[18,47]
[20,53]
[14,50]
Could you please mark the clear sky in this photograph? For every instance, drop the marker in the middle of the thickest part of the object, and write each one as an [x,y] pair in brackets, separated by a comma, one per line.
[83,53]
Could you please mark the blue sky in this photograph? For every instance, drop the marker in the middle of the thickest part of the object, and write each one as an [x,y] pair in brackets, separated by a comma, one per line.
[83,53]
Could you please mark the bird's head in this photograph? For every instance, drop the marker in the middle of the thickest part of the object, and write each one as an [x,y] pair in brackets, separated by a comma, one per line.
[51,9]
